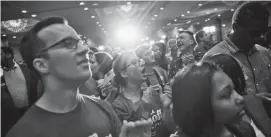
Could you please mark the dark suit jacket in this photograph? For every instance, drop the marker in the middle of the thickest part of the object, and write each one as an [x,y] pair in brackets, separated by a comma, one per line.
[10,114]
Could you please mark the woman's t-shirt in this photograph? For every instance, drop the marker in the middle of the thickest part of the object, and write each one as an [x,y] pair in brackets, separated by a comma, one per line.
[149,106]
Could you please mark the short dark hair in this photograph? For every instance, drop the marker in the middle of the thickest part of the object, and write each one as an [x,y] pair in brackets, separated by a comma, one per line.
[191,97]
[198,35]
[104,60]
[232,68]
[7,50]
[249,11]
[31,44]
[187,32]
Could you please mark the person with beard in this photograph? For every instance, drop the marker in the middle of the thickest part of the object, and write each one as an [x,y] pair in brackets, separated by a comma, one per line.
[186,44]
[18,89]
[249,24]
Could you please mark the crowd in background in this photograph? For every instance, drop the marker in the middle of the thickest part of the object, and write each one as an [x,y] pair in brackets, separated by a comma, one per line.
[191,86]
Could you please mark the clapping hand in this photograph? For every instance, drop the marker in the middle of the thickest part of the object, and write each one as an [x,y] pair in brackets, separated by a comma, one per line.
[134,129]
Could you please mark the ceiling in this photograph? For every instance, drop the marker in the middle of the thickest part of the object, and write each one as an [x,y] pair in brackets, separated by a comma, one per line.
[150,17]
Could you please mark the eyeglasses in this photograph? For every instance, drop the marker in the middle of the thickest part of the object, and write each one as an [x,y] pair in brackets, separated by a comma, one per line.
[69,43]
[137,63]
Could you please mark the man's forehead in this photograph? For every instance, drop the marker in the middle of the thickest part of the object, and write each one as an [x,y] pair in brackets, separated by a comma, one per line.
[55,33]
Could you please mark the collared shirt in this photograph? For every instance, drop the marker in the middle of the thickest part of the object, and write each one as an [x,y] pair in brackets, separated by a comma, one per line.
[16,85]
[256,64]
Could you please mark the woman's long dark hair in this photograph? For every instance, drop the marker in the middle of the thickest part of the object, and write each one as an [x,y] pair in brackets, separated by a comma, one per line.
[231,67]
[161,62]
[104,60]
[191,97]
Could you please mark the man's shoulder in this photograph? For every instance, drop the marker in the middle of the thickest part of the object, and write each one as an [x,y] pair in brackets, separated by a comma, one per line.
[28,125]
[262,49]
[218,48]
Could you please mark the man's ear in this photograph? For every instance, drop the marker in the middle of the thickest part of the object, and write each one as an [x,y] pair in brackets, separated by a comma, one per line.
[41,65]
[124,74]
[192,42]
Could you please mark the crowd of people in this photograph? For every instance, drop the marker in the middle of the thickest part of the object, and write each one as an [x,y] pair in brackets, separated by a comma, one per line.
[191,86]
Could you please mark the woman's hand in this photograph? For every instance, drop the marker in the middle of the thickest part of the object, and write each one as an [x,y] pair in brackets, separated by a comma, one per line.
[135,129]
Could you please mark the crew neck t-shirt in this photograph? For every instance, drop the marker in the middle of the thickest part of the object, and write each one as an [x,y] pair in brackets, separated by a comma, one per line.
[149,106]
[91,118]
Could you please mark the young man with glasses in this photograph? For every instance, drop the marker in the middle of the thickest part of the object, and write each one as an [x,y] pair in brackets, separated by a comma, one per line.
[53,50]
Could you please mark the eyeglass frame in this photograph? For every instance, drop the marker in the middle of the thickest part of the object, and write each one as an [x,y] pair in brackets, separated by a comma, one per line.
[135,63]
[74,46]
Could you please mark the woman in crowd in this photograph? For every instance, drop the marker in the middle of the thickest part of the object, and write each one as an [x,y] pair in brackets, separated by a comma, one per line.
[208,103]
[131,103]
[204,42]
[159,50]
[101,67]
[256,106]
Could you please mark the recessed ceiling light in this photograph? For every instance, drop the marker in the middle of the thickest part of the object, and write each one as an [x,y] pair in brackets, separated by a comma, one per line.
[182,15]
[86,8]
[188,12]
[24,11]
[92,16]
[207,12]
[97,22]
[155,15]
[4,35]
[100,25]
[95,4]
[82,3]
[232,9]
[149,23]
[206,20]
[34,15]
[161,8]
[146,27]
[200,4]
[14,37]
[128,3]
[218,15]
[223,25]
[215,9]
[198,23]
[175,20]
[163,27]
[169,24]
[152,18]
[188,22]
[102,28]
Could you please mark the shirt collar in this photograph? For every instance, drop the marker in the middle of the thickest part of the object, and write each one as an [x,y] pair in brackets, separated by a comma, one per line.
[234,49]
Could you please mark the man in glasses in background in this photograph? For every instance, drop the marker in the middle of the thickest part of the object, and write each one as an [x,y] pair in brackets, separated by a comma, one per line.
[54,51]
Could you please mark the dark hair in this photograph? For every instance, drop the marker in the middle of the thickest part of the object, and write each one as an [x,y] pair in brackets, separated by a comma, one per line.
[7,50]
[118,65]
[191,97]
[162,62]
[231,67]
[249,11]
[31,44]
[94,49]
[198,35]
[187,32]
[104,60]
